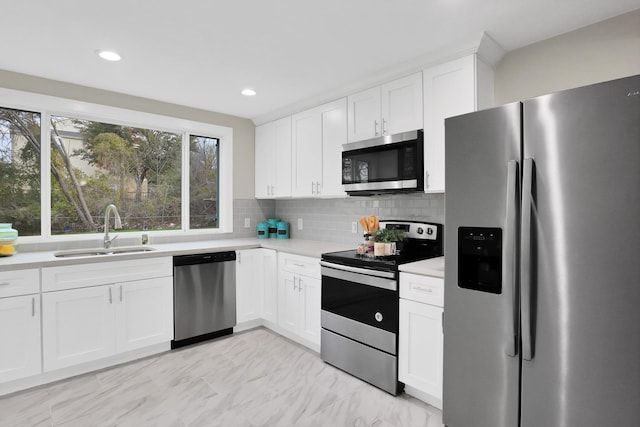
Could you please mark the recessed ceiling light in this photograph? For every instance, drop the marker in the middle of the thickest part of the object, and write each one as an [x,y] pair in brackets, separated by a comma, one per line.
[248,92]
[109,55]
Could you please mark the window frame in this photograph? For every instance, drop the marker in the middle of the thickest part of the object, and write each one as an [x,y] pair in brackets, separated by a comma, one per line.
[48,105]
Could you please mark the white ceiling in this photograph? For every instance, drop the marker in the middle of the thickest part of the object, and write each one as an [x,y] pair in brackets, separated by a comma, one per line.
[201,53]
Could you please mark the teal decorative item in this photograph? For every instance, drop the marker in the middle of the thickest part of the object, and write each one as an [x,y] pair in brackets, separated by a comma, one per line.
[273,227]
[283,230]
[8,238]
[263,230]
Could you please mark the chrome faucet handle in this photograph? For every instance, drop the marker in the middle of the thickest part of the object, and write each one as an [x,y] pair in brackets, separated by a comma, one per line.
[107,242]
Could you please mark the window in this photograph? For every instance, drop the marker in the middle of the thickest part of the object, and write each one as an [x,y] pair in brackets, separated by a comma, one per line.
[203,182]
[164,174]
[94,164]
[20,170]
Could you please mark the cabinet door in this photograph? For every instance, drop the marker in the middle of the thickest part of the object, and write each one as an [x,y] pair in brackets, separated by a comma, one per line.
[449,90]
[20,337]
[420,348]
[264,160]
[78,326]
[309,288]
[270,282]
[334,134]
[364,114]
[402,105]
[281,162]
[307,149]
[249,281]
[144,313]
[288,301]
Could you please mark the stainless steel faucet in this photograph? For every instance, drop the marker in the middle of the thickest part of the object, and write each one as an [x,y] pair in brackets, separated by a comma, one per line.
[117,224]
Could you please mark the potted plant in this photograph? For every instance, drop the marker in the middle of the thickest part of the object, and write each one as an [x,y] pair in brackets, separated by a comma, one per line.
[385,241]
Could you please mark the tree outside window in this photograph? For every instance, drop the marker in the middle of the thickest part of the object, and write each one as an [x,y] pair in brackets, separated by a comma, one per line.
[20,170]
[93,164]
[137,169]
[203,182]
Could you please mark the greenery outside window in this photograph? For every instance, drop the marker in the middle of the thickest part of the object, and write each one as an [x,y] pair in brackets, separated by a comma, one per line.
[20,170]
[162,173]
[138,170]
[203,182]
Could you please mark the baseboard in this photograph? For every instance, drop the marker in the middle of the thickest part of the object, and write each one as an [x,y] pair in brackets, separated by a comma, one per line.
[83,368]
[425,397]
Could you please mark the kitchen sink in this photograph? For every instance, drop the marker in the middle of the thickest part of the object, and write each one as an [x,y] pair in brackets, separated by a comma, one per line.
[102,251]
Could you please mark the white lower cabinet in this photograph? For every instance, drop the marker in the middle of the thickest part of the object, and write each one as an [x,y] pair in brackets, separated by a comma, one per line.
[256,285]
[249,289]
[144,313]
[86,324]
[119,310]
[20,337]
[299,297]
[270,282]
[78,326]
[421,337]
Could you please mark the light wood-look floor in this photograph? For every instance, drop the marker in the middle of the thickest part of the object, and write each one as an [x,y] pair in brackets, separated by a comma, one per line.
[256,378]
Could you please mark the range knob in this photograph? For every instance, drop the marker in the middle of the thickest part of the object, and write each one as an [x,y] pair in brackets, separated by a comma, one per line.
[419,230]
[429,231]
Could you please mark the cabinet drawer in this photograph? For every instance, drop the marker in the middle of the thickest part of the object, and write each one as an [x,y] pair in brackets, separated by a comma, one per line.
[299,264]
[19,282]
[426,289]
[104,273]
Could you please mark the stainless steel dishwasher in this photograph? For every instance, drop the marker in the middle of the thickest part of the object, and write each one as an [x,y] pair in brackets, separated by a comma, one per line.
[204,297]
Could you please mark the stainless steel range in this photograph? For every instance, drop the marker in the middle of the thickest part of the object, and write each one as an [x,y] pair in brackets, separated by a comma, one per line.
[360,301]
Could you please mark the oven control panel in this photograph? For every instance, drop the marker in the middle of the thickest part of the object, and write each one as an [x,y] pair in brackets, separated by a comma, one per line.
[414,230]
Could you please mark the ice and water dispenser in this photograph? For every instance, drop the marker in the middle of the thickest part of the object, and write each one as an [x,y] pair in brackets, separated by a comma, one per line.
[480,259]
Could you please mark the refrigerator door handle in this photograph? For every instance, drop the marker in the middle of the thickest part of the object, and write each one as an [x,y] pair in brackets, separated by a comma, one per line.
[509,267]
[525,259]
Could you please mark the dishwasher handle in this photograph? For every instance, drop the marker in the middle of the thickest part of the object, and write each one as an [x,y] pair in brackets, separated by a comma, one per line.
[204,258]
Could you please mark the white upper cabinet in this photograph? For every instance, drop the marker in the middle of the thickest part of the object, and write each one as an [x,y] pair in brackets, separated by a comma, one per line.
[387,109]
[364,114]
[318,135]
[334,134]
[450,89]
[402,105]
[273,159]
[307,148]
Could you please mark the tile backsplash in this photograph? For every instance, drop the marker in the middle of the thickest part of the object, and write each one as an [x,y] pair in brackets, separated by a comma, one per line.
[331,219]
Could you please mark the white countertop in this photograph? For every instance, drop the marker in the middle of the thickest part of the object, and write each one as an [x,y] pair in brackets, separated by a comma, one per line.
[429,267]
[22,260]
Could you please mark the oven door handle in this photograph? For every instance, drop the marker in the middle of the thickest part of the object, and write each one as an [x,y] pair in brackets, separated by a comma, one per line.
[367,271]
[360,278]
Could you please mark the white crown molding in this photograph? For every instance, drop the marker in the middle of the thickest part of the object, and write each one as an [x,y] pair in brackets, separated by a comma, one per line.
[483,45]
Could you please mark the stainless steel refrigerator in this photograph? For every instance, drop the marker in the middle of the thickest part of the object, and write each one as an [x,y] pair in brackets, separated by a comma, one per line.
[542,253]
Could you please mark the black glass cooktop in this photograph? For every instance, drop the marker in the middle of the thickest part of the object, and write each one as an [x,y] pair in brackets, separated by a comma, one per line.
[387,263]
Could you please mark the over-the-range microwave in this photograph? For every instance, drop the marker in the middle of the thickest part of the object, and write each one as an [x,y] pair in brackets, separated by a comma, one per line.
[387,164]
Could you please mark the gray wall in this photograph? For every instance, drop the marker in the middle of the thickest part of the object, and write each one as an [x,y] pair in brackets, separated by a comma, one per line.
[243,129]
[603,51]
